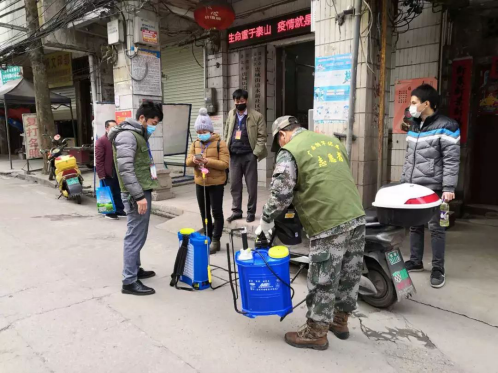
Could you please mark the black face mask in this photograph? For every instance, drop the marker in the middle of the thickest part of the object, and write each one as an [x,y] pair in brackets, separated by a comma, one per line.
[241,107]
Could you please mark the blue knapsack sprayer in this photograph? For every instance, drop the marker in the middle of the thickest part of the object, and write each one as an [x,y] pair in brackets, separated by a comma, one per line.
[263,273]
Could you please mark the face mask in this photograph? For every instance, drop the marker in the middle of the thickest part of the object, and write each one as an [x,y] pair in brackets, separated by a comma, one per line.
[204,137]
[241,107]
[414,112]
[150,130]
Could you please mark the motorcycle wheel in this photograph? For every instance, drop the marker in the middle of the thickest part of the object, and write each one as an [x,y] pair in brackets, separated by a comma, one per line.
[78,200]
[51,173]
[386,293]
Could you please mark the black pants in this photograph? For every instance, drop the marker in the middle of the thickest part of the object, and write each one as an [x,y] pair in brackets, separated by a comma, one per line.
[214,203]
[246,166]
[113,183]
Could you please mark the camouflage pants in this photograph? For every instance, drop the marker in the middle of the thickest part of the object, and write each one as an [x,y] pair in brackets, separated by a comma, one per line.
[334,273]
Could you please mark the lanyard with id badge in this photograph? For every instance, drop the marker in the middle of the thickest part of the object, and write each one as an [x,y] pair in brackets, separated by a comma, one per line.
[153,169]
[238,133]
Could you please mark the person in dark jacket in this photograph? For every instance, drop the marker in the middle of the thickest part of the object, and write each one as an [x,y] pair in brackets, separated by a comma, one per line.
[432,160]
[245,134]
[137,177]
[106,171]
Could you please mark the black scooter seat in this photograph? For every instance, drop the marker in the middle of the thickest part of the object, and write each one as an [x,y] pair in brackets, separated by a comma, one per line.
[371,216]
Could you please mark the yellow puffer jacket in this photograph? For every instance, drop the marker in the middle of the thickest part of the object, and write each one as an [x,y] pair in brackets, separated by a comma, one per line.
[217,162]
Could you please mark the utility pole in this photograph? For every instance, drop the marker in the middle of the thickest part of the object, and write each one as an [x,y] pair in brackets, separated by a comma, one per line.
[44,114]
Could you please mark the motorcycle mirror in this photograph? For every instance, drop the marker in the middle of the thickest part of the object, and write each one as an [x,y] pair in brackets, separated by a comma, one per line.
[57,137]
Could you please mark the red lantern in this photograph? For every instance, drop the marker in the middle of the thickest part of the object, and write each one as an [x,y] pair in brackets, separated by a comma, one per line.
[214,14]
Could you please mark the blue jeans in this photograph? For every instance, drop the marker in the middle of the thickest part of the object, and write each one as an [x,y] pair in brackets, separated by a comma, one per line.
[136,235]
[438,241]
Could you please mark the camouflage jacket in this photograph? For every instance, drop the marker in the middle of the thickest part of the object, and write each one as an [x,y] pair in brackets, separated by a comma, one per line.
[282,187]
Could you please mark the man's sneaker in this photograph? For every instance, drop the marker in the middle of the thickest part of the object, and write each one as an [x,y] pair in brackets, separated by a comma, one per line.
[111,216]
[437,278]
[412,267]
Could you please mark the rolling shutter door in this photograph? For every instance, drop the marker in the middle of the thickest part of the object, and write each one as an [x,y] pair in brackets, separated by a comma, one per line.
[183,83]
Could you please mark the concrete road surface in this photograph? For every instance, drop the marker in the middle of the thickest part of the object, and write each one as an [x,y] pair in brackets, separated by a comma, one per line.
[61,309]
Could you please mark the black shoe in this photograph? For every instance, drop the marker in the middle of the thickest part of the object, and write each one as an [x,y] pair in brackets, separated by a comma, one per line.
[111,216]
[234,217]
[121,214]
[142,273]
[250,218]
[137,288]
[412,267]
[437,278]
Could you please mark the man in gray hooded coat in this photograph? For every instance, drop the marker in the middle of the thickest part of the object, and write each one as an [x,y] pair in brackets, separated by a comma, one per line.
[137,178]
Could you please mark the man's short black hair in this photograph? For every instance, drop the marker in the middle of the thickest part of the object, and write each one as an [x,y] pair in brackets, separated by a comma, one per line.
[426,92]
[240,93]
[150,110]
[108,122]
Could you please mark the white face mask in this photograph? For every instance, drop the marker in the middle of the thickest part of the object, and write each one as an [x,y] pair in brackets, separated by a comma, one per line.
[414,112]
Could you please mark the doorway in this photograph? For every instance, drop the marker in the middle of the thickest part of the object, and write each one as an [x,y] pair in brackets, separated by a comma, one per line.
[295,80]
[485,132]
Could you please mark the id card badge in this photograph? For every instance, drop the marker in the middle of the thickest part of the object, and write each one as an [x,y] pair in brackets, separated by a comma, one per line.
[153,172]
[238,135]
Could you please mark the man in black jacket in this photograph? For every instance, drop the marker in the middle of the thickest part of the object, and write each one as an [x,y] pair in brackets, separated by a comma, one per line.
[432,160]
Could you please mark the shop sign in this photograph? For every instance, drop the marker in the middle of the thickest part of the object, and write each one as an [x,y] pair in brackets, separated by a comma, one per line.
[122,115]
[402,98]
[273,29]
[59,69]
[31,136]
[332,88]
[461,77]
[12,73]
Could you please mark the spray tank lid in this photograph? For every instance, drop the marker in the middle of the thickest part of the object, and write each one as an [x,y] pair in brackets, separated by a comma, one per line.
[278,252]
[186,231]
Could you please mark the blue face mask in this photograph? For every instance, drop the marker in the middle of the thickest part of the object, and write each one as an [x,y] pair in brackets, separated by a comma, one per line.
[150,130]
[204,137]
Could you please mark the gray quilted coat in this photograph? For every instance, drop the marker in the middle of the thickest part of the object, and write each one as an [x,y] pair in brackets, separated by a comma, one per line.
[126,148]
[433,154]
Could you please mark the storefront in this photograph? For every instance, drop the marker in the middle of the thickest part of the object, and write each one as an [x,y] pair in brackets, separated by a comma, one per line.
[274,61]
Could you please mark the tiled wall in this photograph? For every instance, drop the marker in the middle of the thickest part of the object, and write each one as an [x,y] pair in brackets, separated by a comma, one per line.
[416,55]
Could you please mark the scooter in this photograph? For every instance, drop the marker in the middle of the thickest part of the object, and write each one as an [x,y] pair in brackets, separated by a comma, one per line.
[58,145]
[67,173]
[383,263]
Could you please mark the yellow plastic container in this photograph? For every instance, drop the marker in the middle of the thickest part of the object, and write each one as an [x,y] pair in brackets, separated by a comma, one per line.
[65,162]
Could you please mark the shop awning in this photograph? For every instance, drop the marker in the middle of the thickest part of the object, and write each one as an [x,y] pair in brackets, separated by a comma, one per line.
[22,91]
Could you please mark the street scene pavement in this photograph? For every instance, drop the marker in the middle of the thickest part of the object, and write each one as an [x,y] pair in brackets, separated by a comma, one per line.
[61,307]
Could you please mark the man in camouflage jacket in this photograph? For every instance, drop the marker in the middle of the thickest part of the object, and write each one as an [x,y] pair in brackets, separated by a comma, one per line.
[312,172]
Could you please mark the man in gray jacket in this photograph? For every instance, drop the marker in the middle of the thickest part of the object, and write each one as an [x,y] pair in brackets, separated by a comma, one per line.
[432,160]
[137,178]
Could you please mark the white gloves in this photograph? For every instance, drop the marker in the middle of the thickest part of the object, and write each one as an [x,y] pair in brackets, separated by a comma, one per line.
[265,228]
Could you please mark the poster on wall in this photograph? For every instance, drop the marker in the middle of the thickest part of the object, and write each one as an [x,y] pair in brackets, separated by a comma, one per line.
[122,115]
[103,112]
[461,80]
[31,136]
[146,72]
[332,88]
[402,94]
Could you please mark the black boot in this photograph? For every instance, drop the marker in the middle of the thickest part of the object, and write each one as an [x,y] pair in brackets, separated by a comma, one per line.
[137,288]
[215,246]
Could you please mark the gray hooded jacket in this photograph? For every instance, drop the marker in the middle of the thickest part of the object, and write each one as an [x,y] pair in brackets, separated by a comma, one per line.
[126,148]
[433,154]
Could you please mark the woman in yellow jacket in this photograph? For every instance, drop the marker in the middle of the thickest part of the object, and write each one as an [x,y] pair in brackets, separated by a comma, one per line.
[211,153]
